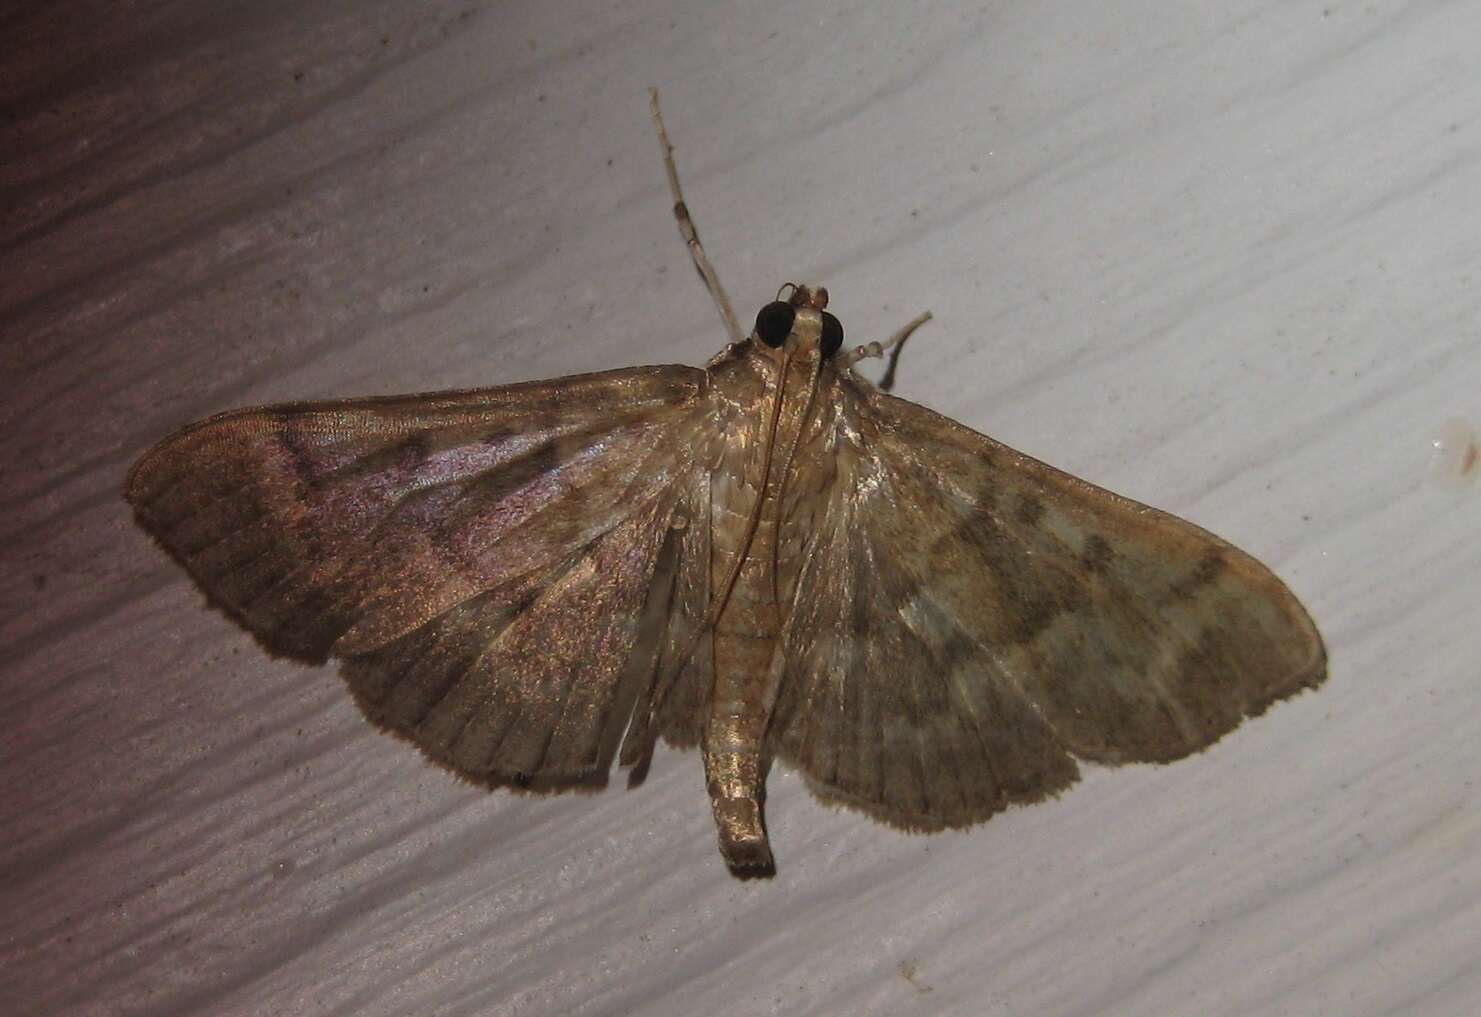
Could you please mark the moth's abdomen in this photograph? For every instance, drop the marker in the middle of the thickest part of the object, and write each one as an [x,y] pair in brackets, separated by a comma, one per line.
[744,641]
[747,630]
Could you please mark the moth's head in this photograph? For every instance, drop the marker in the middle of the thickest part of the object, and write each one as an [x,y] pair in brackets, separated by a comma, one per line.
[798,324]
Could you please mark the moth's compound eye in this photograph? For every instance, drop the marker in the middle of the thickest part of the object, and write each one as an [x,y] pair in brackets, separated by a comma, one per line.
[774,323]
[832,337]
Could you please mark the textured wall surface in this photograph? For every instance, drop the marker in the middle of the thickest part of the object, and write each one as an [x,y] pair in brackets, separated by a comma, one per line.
[1221,256]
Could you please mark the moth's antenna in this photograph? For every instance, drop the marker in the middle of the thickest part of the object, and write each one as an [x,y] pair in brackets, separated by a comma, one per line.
[689,233]
[894,344]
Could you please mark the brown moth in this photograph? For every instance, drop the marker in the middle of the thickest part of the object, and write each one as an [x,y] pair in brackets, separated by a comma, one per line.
[769,558]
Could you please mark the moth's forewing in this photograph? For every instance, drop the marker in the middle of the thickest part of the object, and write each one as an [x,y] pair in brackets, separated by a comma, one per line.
[969,621]
[480,559]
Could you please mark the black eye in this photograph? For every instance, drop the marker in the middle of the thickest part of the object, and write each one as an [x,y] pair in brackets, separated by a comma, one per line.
[832,336]
[774,323]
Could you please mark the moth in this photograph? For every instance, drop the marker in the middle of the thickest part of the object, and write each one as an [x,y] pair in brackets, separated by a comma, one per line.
[769,558]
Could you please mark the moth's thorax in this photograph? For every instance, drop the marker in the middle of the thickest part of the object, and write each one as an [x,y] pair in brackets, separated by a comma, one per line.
[793,492]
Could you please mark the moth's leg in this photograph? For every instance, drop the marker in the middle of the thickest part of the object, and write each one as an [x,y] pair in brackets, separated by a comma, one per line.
[893,345]
[688,231]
